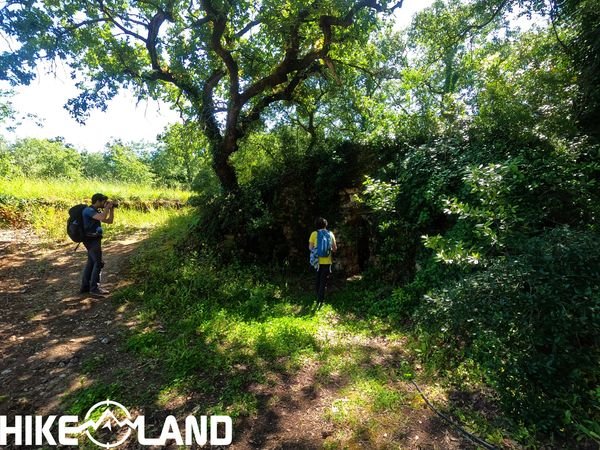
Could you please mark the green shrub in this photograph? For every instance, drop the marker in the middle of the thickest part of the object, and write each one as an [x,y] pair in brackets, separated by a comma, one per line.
[41,158]
[511,264]
[530,321]
[406,197]
[270,218]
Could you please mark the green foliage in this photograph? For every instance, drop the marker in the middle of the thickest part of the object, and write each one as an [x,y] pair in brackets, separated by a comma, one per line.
[406,197]
[123,165]
[7,112]
[270,218]
[524,240]
[578,25]
[40,158]
[175,164]
[488,79]
[511,268]
[525,88]
[184,159]
[530,322]
[7,165]
[535,188]
[94,166]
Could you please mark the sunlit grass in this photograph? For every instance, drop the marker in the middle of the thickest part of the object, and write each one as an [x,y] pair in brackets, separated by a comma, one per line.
[43,205]
[82,190]
[367,411]
[49,222]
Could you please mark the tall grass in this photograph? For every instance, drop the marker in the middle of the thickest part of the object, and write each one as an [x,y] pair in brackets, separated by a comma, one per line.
[42,205]
[82,190]
[49,222]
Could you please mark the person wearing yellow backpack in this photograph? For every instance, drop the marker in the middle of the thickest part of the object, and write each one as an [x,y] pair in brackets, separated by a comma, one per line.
[322,244]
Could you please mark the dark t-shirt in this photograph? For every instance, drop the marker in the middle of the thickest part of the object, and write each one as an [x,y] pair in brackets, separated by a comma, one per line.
[91,226]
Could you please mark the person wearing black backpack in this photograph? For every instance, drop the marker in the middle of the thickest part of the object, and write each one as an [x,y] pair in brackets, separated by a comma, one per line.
[92,220]
[322,244]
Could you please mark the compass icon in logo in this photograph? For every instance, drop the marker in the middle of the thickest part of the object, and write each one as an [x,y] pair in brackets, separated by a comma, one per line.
[109,420]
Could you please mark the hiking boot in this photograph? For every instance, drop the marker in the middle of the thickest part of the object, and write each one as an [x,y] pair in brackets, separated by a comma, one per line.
[99,292]
[84,290]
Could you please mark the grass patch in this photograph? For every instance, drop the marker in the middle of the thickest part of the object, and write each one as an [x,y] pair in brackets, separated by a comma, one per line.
[363,412]
[216,330]
[371,396]
[93,364]
[79,402]
[81,190]
[43,205]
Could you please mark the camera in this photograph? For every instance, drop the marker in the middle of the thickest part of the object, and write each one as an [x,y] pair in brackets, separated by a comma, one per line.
[115,203]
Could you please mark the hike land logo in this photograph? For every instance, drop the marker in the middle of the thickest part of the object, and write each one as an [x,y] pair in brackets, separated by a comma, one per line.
[112,428]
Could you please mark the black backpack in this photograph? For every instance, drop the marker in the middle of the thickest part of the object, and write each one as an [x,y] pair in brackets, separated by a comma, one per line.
[75,228]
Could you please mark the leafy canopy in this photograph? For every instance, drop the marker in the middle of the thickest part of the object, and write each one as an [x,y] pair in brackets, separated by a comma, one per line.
[184,47]
[222,62]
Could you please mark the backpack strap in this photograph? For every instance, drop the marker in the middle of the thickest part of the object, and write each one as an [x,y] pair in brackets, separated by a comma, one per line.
[86,230]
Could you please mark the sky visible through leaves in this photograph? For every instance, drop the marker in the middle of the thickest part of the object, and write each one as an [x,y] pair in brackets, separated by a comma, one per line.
[125,119]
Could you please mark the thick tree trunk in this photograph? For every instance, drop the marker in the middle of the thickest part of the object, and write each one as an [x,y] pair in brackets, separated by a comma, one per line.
[222,165]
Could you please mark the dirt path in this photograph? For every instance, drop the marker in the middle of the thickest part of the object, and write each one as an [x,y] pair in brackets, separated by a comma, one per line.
[49,334]
[47,329]
[292,417]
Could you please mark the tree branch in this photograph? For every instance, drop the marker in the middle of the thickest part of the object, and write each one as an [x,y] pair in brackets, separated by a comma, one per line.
[112,20]
[553,16]
[153,29]
[291,63]
[201,21]
[247,28]
[219,21]
[481,26]
[207,113]
[128,19]
[366,70]
[76,26]
[284,94]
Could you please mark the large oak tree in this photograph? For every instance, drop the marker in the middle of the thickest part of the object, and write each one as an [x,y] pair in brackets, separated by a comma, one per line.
[223,62]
